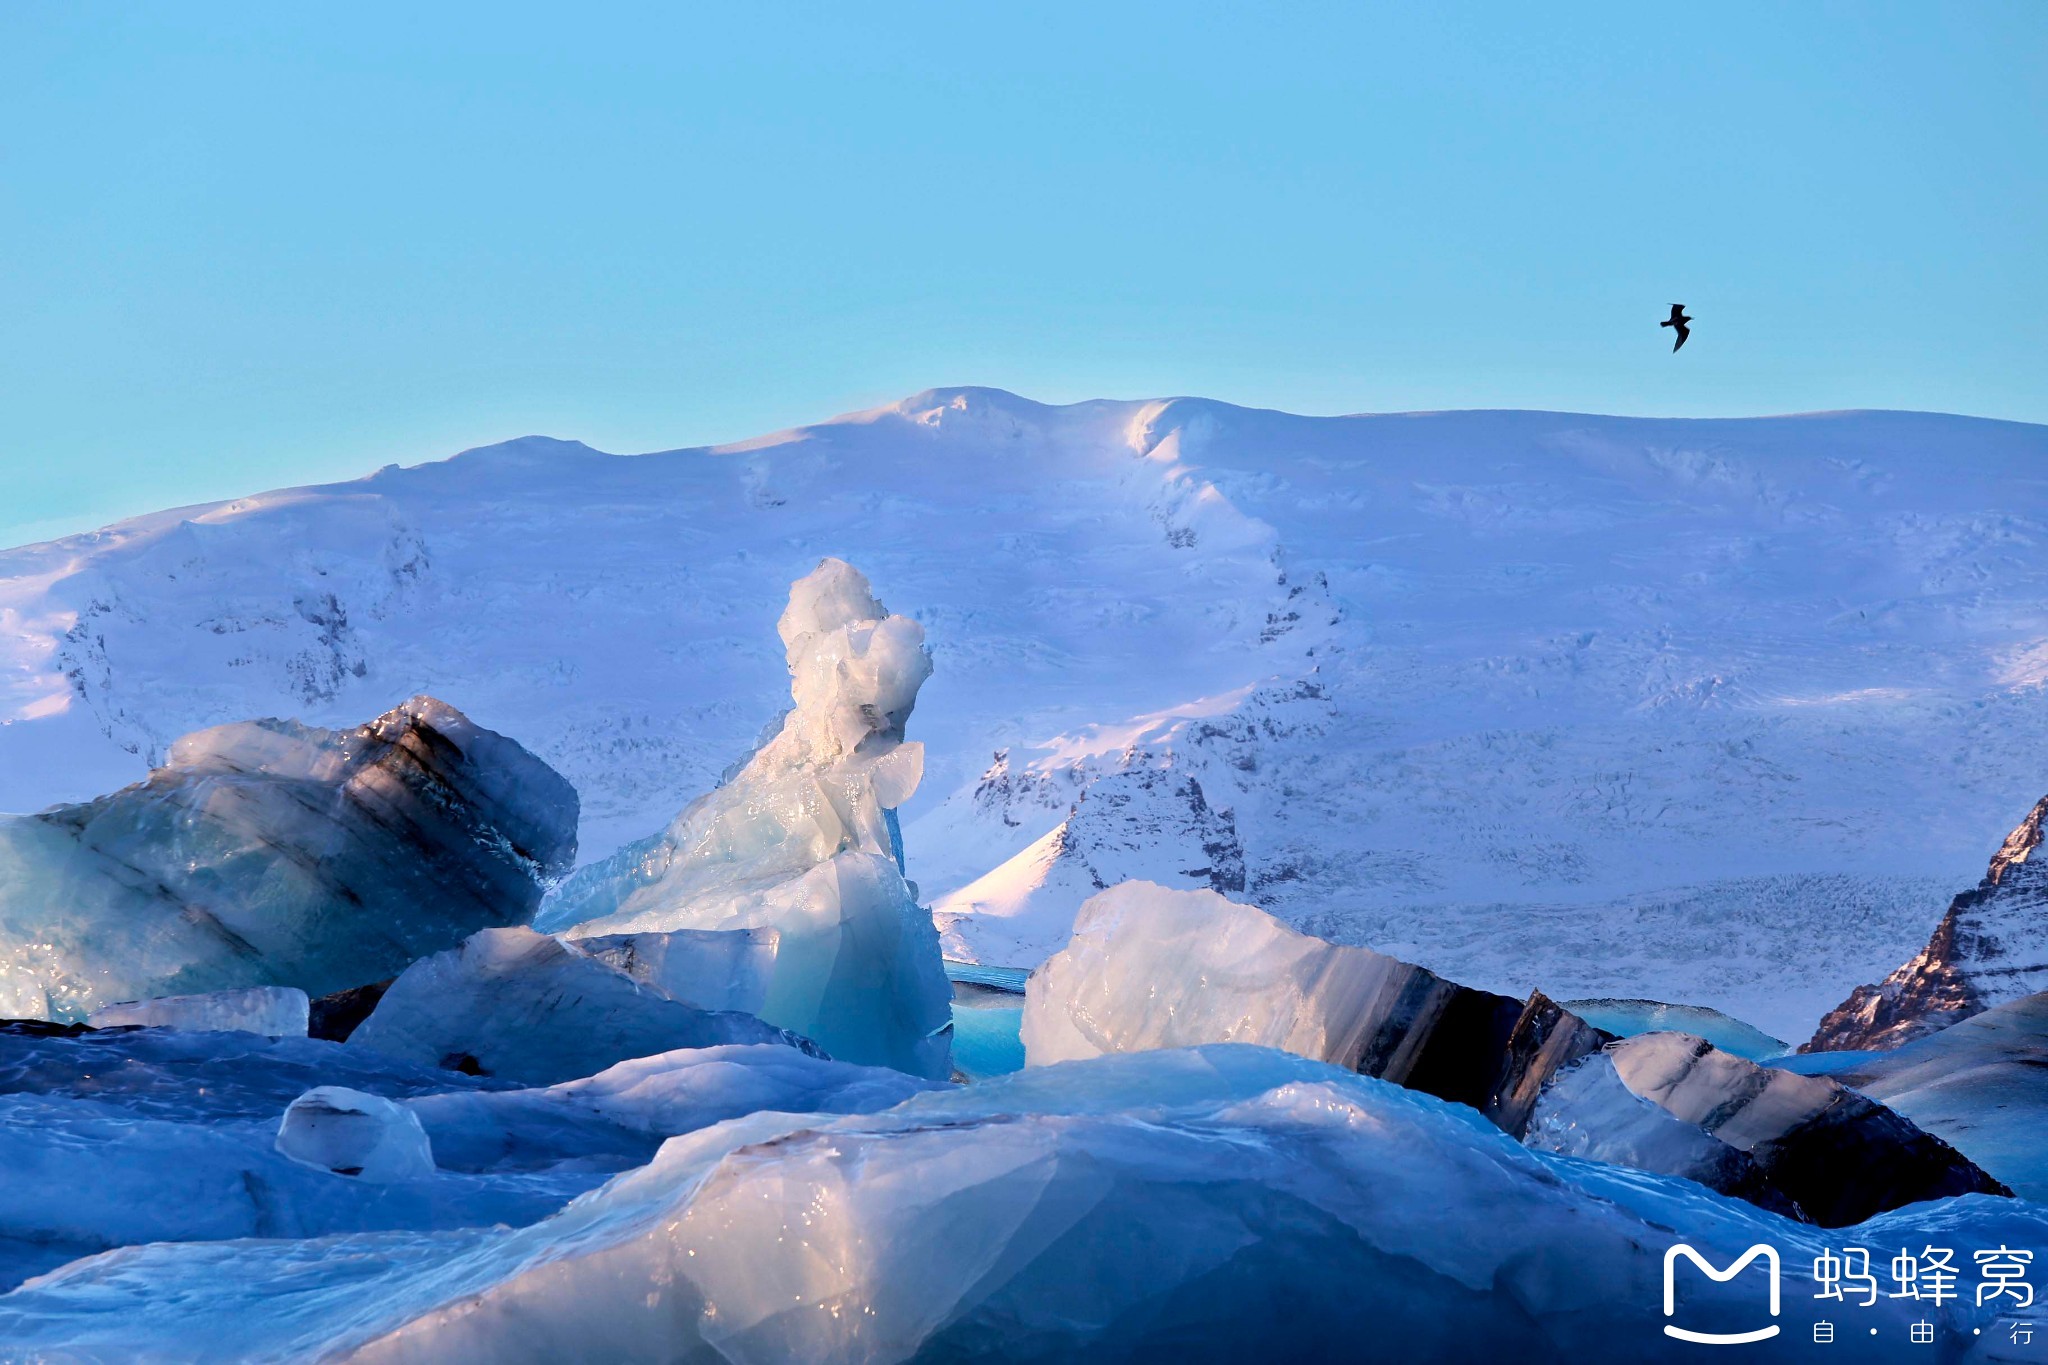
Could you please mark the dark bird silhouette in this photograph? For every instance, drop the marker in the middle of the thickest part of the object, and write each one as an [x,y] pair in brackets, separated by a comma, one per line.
[1678,319]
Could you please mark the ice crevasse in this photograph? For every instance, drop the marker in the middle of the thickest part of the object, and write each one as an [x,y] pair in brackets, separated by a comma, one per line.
[803,840]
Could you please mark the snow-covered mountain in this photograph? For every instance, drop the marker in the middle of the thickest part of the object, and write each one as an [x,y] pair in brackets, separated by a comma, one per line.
[1987,951]
[1714,711]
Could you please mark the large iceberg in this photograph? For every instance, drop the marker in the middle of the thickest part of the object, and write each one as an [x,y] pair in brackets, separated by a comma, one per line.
[1981,1084]
[1214,1204]
[1840,1156]
[803,840]
[527,1007]
[1150,967]
[274,853]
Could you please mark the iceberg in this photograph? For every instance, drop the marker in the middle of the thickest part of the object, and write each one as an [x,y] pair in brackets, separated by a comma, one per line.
[1840,1156]
[350,1133]
[1210,1204]
[274,1011]
[803,840]
[1981,1085]
[527,1007]
[1150,967]
[1588,1112]
[269,853]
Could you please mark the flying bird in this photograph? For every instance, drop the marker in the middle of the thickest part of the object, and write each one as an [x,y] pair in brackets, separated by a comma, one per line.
[1678,319]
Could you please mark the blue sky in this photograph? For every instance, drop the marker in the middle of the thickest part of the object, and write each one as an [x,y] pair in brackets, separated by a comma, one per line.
[249,246]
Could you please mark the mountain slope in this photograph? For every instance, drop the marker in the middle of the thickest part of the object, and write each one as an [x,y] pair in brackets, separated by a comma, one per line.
[1619,707]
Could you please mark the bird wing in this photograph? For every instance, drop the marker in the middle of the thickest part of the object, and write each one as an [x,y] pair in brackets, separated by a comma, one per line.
[1683,332]
[1677,311]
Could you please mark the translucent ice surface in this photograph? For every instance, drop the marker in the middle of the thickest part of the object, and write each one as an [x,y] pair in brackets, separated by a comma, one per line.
[803,841]
[1151,967]
[1626,1018]
[1213,1204]
[350,1133]
[274,853]
[527,1007]
[713,969]
[275,1011]
[1587,1112]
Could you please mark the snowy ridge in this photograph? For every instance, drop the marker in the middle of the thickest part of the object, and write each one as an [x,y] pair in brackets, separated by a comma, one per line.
[1614,707]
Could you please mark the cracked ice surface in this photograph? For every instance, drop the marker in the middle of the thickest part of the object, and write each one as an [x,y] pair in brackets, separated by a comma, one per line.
[803,840]
[1117,1208]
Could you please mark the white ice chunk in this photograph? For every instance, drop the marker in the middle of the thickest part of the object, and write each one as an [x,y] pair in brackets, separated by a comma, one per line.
[274,1011]
[803,840]
[527,1007]
[351,1133]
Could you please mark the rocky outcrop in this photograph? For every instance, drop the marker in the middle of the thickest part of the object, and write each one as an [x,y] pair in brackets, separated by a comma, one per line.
[1990,948]
[270,853]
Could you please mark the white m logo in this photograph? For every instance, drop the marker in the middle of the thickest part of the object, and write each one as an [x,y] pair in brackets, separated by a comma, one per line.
[1770,1255]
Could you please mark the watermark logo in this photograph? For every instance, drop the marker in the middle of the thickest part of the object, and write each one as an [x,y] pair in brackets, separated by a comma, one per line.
[1763,1250]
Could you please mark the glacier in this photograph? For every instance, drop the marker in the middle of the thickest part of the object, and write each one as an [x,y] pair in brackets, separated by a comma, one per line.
[803,840]
[1615,705]
[271,853]
[966,1222]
